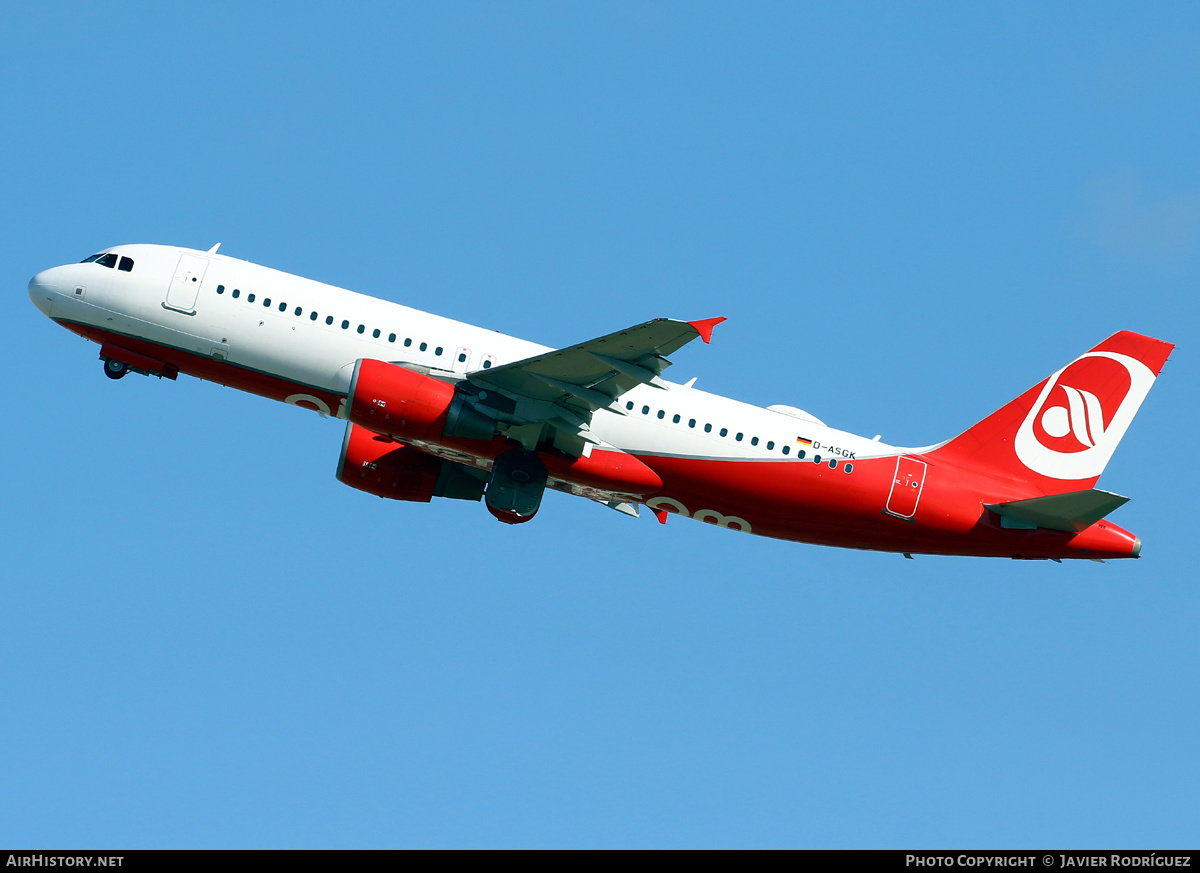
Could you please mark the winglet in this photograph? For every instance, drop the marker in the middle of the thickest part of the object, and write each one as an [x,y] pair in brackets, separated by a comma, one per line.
[661,514]
[705,327]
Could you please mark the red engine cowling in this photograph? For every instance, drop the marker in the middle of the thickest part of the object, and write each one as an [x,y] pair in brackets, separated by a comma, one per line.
[390,399]
[383,467]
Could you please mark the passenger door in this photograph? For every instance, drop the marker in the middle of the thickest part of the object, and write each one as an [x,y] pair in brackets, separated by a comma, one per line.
[907,486]
[185,284]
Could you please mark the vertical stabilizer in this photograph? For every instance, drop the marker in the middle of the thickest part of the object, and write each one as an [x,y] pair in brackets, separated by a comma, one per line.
[1060,434]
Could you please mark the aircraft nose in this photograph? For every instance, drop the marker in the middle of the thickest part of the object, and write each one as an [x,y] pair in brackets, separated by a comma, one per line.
[42,289]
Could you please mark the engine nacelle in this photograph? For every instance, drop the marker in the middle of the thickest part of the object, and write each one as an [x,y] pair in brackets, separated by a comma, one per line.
[383,467]
[387,398]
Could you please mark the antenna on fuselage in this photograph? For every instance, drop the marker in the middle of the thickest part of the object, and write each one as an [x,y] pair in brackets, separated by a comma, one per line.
[213,250]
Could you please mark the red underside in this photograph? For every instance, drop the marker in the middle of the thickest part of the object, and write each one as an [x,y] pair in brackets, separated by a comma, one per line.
[793,500]
[812,503]
[211,370]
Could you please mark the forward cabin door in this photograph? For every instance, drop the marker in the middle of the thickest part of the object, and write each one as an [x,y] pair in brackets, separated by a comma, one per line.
[907,486]
[185,284]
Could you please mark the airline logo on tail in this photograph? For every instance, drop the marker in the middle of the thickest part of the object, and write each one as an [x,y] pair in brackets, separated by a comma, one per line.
[1081,414]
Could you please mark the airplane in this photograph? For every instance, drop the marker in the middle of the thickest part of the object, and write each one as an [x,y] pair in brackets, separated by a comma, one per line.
[440,408]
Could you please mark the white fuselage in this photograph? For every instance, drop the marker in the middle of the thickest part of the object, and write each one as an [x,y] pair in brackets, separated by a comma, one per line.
[262,320]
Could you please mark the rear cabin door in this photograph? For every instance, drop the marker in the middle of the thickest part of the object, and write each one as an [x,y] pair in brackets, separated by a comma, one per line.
[906,487]
[185,284]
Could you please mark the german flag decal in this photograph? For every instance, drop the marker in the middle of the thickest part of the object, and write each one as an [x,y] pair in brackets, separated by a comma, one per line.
[804,442]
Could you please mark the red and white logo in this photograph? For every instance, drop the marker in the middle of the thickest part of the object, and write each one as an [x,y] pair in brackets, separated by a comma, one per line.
[1081,415]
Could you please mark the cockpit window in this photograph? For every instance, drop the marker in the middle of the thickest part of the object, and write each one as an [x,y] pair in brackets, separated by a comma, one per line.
[109,260]
[92,258]
[126,264]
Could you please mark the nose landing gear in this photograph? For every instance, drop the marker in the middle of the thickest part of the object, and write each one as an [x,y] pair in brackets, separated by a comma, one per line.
[114,369]
[118,361]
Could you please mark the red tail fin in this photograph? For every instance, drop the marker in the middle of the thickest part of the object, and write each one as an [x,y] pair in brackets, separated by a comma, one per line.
[1060,433]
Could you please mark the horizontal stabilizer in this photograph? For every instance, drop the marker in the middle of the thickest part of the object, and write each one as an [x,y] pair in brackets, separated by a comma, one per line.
[1070,511]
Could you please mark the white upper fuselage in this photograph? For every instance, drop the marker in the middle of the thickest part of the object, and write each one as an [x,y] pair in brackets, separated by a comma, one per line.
[262,320]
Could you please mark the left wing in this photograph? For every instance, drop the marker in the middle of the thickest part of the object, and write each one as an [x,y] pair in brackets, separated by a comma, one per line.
[591,375]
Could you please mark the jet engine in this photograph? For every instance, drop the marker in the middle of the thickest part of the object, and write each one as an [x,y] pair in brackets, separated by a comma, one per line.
[381,466]
[387,398]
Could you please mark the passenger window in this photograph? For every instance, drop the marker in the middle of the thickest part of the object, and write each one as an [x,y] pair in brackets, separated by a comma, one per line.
[724,431]
[361,328]
[770,445]
[438,350]
[312,316]
[645,410]
[391,337]
[109,260]
[816,459]
[267,302]
[849,468]
[462,358]
[787,449]
[283,308]
[691,422]
[329,319]
[236,294]
[345,324]
[424,346]
[629,405]
[375,333]
[753,441]
[738,437]
[126,264]
[487,364]
[220,289]
[661,413]
[800,453]
[407,343]
[250,297]
[298,311]
[675,418]
[708,428]
[833,463]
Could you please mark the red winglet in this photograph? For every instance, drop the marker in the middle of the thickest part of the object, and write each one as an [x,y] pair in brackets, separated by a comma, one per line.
[705,327]
[662,515]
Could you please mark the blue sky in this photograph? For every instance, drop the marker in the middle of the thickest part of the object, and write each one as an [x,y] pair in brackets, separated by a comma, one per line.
[909,215]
